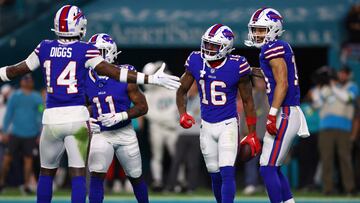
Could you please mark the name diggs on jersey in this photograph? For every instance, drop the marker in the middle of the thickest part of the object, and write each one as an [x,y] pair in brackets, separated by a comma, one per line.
[61,52]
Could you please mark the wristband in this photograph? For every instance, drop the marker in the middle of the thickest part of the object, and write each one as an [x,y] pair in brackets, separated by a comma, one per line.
[140,78]
[250,120]
[124,115]
[3,75]
[273,111]
[123,75]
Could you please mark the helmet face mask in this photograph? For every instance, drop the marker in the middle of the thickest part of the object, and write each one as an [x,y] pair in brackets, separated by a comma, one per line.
[106,46]
[217,42]
[258,35]
[265,25]
[210,48]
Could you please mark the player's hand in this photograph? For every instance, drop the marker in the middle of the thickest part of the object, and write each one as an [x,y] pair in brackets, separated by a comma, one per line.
[271,125]
[162,79]
[254,142]
[94,127]
[186,120]
[110,119]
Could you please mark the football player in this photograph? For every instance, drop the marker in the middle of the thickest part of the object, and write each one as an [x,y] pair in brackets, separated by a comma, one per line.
[64,63]
[163,118]
[111,125]
[219,76]
[285,118]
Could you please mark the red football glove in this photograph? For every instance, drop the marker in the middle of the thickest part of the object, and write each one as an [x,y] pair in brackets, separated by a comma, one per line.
[186,120]
[271,125]
[254,142]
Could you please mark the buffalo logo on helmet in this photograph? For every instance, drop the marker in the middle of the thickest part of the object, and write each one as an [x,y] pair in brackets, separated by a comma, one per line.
[273,16]
[228,34]
[107,38]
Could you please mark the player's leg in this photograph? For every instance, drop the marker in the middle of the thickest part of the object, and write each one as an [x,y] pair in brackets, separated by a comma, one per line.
[178,158]
[76,160]
[209,150]
[11,148]
[344,150]
[275,149]
[130,159]
[227,146]
[100,157]
[157,146]
[51,150]
[326,144]
[29,145]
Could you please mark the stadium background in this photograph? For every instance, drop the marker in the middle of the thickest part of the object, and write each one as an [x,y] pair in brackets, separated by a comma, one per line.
[169,30]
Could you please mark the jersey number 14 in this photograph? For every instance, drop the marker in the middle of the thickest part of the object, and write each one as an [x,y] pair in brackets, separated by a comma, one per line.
[66,77]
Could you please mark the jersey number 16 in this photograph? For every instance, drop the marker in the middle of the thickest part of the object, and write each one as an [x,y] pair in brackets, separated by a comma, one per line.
[213,93]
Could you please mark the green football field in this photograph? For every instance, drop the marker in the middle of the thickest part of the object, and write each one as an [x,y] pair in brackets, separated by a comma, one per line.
[13,195]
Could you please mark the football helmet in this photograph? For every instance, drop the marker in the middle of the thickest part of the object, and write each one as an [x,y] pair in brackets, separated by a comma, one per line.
[268,19]
[217,42]
[69,21]
[106,45]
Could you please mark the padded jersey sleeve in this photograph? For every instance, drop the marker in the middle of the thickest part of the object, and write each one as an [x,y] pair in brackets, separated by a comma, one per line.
[33,60]
[189,61]
[244,67]
[274,50]
[93,57]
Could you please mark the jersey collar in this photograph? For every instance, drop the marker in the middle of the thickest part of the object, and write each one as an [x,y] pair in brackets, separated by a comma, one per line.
[217,67]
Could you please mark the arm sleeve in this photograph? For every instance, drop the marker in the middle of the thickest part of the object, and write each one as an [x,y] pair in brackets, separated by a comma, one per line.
[9,113]
[33,61]
[187,63]
[244,67]
[276,51]
[93,57]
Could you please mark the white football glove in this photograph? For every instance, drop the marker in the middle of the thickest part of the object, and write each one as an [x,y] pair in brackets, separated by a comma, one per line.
[94,128]
[162,79]
[110,119]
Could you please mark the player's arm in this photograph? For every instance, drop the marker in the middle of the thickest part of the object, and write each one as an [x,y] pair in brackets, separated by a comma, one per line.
[257,72]
[279,70]
[124,75]
[245,89]
[140,108]
[186,81]
[8,73]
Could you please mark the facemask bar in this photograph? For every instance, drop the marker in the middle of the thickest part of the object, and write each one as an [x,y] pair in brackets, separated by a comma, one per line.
[210,49]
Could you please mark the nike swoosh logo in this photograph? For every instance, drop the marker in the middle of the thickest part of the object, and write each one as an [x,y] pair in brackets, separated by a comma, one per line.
[227,123]
[270,45]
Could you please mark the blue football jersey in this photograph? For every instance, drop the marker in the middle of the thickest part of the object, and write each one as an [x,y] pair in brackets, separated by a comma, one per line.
[217,87]
[64,69]
[108,96]
[280,49]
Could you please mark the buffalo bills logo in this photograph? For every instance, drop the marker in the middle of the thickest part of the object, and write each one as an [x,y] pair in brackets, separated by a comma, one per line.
[107,38]
[273,16]
[228,34]
[78,16]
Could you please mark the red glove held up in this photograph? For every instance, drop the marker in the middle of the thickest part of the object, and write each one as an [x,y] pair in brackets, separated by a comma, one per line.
[271,125]
[186,120]
[254,142]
